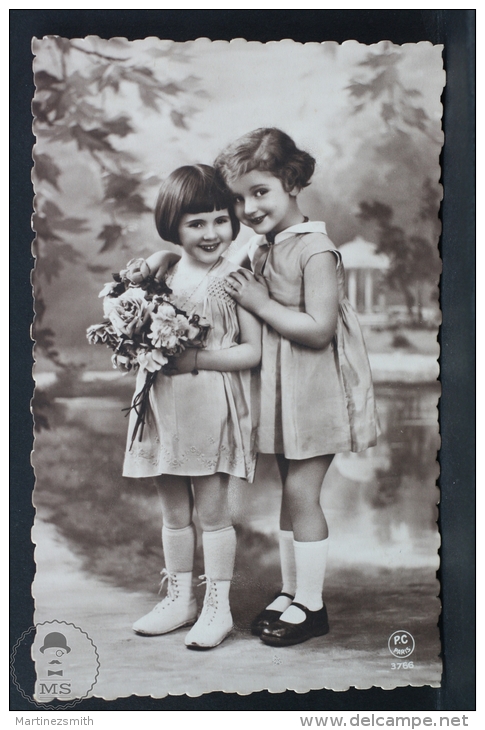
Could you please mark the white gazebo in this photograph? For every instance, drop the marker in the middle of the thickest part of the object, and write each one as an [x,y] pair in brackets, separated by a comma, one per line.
[364,269]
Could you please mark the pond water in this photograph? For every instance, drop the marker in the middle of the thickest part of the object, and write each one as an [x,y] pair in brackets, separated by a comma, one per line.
[381,505]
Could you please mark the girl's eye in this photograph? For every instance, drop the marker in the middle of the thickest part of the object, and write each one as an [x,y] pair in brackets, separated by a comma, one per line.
[237,199]
[222,221]
[195,224]
[259,193]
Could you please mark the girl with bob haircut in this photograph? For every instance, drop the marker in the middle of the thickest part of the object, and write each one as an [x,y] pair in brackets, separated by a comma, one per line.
[316,388]
[199,430]
[191,189]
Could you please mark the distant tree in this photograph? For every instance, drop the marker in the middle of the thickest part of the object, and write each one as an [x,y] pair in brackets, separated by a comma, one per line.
[413,259]
[73,79]
[405,144]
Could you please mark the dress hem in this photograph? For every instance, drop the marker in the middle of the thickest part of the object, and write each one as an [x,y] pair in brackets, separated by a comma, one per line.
[157,473]
[312,455]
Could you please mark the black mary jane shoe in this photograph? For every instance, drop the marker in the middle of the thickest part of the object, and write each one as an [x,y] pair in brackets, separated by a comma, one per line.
[282,633]
[267,616]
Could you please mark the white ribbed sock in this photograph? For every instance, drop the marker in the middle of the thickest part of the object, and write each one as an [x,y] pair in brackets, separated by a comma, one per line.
[311,562]
[179,548]
[288,571]
[219,553]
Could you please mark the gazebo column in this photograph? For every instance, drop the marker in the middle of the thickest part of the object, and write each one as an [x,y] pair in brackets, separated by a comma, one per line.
[352,282]
[368,291]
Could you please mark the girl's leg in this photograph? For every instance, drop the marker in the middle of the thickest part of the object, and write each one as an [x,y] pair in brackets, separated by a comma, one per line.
[178,608]
[219,543]
[176,500]
[287,560]
[301,500]
[301,497]
[286,537]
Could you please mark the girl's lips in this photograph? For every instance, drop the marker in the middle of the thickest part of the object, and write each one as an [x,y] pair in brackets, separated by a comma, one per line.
[257,221]
[209,247]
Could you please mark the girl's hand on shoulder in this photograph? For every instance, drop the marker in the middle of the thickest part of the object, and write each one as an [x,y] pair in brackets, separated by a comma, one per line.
[185,362]
[246,290]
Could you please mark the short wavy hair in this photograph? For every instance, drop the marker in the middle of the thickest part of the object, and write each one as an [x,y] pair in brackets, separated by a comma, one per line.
[191,189]
[270,150]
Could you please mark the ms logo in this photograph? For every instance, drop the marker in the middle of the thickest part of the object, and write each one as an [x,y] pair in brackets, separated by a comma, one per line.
[66,662]
[55,651]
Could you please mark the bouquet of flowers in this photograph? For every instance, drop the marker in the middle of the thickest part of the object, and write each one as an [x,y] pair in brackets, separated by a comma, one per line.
[144,329]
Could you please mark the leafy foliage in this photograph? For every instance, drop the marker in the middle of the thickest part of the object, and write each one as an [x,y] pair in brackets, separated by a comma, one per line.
[380,83]
[406,144]
[76,80]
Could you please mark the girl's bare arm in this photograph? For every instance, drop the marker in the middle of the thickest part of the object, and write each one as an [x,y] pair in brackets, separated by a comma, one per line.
[160,261]
[240,357]
[314,327]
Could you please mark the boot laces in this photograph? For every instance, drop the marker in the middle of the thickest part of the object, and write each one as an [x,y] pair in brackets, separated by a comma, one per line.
[210,599]
[172,585]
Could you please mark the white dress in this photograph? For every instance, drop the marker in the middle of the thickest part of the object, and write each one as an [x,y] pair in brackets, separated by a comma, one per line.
[199,424]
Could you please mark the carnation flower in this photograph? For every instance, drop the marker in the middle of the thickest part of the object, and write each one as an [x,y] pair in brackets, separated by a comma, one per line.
[170,329]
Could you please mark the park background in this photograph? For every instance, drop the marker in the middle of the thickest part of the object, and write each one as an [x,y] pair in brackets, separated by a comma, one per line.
[112,119]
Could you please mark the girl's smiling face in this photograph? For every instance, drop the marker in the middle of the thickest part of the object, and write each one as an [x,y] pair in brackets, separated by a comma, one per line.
[262,203]
[205,236]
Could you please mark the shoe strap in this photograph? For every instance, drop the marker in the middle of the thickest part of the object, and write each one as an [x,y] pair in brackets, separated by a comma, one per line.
[286,595]
[303,608]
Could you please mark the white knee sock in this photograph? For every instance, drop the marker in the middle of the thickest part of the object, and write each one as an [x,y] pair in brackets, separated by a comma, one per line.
[179,548]
[219,553]
[288,571]
[311,562]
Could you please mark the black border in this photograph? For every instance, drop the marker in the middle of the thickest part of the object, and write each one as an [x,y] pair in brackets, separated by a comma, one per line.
[456,30]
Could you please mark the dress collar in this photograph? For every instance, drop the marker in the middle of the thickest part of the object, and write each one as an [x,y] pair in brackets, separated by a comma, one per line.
[306,227]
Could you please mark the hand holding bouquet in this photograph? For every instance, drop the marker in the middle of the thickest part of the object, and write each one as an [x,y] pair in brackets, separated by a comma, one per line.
[144,328]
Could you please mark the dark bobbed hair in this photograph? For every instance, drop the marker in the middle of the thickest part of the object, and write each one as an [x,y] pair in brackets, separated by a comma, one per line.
[191,189]
[270,150]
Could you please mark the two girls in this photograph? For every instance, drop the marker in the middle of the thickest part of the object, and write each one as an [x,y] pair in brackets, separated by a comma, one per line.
[316,388]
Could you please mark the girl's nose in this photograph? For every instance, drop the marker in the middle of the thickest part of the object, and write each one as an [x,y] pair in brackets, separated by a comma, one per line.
[210,233]
[250,207]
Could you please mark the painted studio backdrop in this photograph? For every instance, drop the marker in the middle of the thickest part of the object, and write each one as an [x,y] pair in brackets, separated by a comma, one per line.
[112,118]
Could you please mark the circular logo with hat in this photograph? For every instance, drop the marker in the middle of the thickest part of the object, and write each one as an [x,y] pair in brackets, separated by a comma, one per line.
[56,640]
[66,664]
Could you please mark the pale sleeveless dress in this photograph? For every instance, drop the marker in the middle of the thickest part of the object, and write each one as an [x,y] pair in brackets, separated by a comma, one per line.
[199,424]
[313,402]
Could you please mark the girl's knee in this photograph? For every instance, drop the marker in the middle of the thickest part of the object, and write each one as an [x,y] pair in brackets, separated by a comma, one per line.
[214,519]
[299,502]
[213,513]
[176,519]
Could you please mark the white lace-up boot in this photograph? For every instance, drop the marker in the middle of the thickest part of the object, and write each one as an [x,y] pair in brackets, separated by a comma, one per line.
[177,609]
[215,620]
